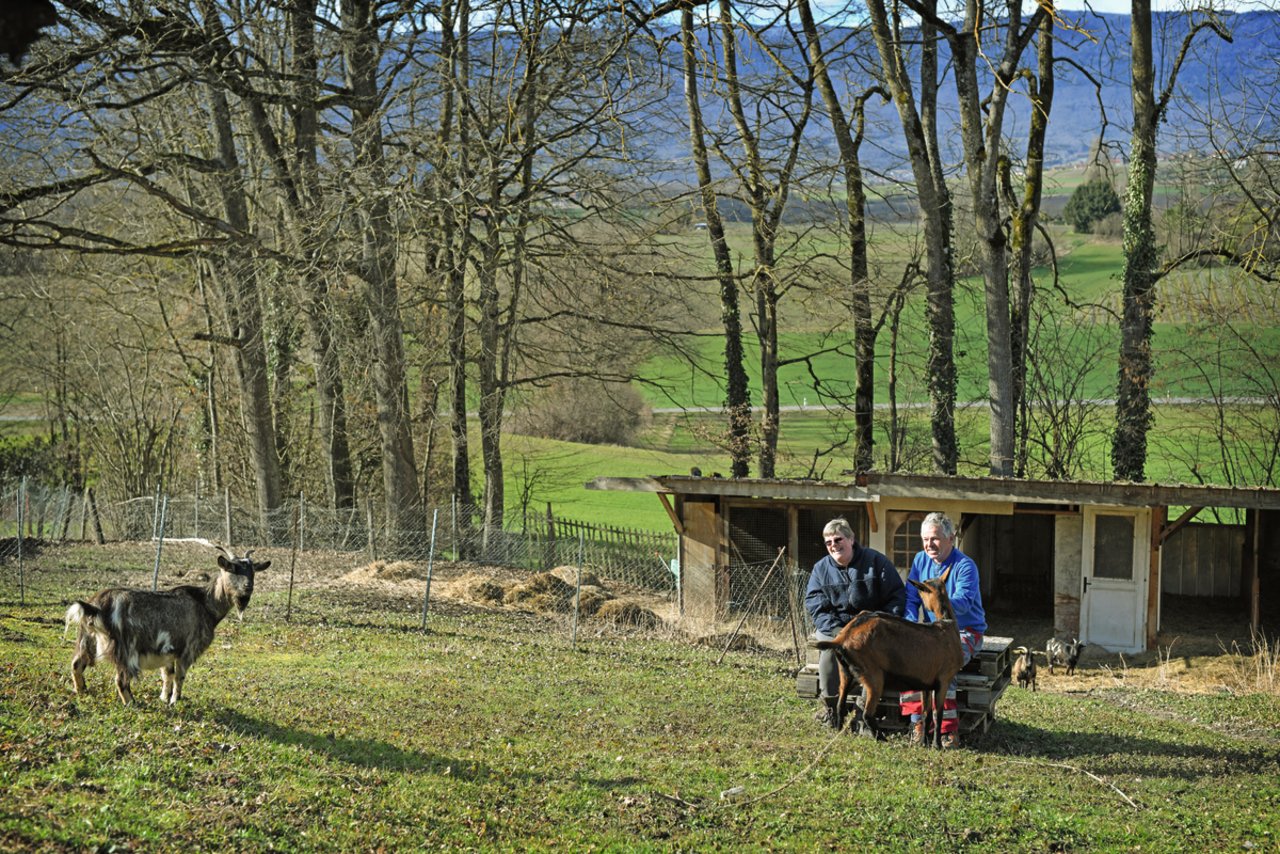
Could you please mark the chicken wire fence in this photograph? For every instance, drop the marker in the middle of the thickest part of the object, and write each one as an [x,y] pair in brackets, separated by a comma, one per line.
[763,596]
[31,515]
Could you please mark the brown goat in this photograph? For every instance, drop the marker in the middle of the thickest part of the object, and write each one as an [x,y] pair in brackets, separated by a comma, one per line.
[1024,668]
[879,649]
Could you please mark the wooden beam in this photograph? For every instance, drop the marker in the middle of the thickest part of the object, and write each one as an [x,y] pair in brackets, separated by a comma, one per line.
[671,511]
[871,517]
[1159,515]
[1167,531]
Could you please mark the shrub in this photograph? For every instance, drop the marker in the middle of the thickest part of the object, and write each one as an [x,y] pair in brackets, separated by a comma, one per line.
[1089,203]
[583,410]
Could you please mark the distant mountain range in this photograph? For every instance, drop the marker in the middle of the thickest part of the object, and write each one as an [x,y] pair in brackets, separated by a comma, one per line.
[1081,111]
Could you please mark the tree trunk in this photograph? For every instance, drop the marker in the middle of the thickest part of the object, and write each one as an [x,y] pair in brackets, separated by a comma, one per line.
[317,310]
[455,241]
[1025,218]
[935,206]
[378,270]
[238,277]
[849,141]
[1133,396]
[738,396]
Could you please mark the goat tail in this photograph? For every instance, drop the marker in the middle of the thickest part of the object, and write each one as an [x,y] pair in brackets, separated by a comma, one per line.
[86,617]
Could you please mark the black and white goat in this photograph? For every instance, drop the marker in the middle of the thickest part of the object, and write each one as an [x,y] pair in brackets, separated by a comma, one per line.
[140,630]
[1063,652]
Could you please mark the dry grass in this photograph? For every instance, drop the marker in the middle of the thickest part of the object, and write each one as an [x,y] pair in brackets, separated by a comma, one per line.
[1258,669]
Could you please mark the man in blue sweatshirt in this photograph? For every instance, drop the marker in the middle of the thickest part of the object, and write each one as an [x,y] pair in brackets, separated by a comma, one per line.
[851,578]
[938,553]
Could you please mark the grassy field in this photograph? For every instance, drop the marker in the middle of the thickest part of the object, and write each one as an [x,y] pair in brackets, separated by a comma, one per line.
[349,729]
[1184,437]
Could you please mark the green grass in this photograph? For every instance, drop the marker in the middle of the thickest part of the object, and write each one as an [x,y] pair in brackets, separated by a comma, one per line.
[1184,447]
[348,729]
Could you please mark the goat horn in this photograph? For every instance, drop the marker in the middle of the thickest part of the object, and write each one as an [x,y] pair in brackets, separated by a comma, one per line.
[248,554]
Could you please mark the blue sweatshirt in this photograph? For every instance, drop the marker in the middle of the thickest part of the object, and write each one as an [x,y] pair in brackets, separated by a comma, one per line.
[962,587]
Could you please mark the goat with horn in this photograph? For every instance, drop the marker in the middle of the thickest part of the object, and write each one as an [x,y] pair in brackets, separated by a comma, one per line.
[168,630]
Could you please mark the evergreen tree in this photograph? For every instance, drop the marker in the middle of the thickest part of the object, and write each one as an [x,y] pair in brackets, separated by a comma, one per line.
[1089,203]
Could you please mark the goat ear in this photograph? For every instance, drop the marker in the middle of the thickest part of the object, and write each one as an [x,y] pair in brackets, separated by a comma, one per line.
[916,584]
[260,567]
[946,572]
[225,564]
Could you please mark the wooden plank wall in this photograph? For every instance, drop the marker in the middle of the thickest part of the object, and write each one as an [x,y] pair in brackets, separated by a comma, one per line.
[1203,560]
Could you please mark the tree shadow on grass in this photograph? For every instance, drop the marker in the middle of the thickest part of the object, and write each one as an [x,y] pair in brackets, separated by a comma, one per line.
[373,753]
[363,752]
[1111,753]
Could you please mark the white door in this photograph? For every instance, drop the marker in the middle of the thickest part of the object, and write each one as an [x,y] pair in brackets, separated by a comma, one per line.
[1116,554]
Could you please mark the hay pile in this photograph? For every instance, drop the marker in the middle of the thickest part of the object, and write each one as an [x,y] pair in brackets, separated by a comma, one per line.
[476,588]
[549,592]
[381,570]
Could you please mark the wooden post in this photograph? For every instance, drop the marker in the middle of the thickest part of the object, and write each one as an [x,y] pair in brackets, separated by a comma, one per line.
[84,512]
[98,536]
[549,553]
[577,590]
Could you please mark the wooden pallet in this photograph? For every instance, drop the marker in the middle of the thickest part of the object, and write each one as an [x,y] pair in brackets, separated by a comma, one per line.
[978,687]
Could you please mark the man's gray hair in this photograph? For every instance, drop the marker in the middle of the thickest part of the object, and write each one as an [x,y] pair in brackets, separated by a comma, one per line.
[839,525]
[942,522]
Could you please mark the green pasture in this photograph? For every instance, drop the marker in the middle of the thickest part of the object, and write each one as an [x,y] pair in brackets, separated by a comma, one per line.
[347,728]
[1184,447]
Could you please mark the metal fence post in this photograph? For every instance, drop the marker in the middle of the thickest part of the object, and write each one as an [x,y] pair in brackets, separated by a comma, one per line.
[22,580]
[155,575]
[577,590]
[226,498]
[431,554]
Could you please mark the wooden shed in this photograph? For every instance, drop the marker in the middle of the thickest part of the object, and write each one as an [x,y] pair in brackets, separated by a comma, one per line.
[1094,557]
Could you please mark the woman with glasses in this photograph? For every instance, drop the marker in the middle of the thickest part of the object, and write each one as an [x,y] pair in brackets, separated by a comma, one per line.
[851,578]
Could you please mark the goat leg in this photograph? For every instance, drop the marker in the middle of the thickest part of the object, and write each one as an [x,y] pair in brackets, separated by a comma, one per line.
[122,686]
[837,714]
[872,688]
[83,659]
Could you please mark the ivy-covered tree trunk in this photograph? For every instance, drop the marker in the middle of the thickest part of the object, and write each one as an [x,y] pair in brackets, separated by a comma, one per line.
[1024,218]
[1133,393]
[1141,255]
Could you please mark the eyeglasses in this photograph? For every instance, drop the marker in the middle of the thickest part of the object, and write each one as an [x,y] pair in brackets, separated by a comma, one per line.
[834,541]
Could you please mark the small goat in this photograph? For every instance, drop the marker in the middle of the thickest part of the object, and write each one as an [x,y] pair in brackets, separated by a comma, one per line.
[1063,652]
[1024,668]
[879,649]
[140,630]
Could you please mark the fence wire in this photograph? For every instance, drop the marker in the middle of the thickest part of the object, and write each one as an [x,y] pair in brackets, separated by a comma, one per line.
[453,532]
